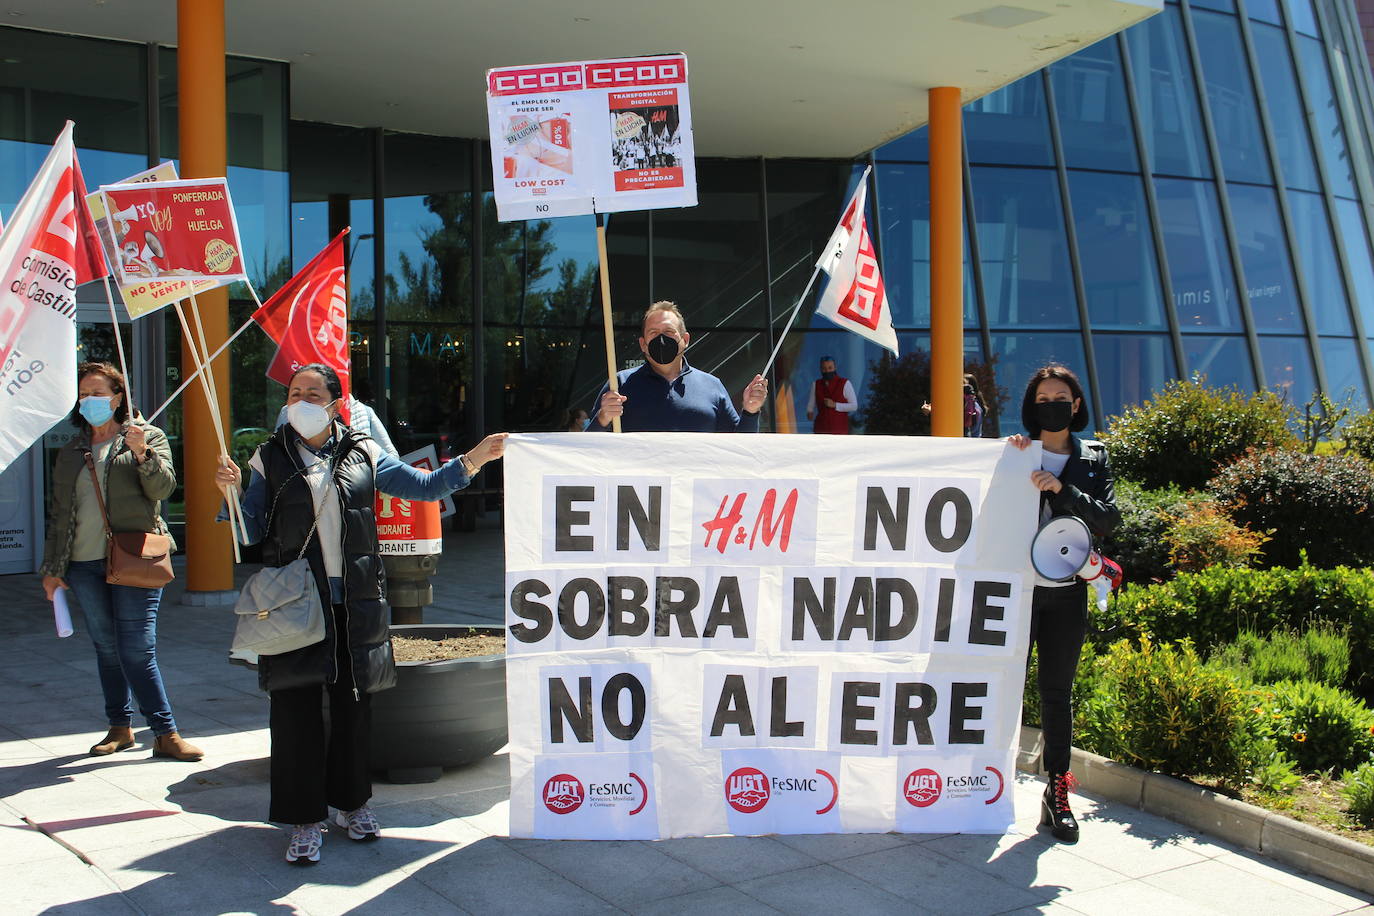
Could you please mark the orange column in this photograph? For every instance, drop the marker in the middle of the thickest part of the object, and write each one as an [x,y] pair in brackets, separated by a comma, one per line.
[946,262]
[202,134]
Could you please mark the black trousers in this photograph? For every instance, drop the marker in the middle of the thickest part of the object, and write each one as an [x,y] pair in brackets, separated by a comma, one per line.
[1059,623]
[314,765]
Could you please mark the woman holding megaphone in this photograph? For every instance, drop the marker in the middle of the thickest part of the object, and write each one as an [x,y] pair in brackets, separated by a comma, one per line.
[1073,479]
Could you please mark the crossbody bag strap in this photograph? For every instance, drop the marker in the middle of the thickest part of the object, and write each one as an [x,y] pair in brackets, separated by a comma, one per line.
[272,509]
[99,497]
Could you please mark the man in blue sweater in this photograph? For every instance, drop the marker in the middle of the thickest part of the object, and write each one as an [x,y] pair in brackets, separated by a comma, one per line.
[667,395]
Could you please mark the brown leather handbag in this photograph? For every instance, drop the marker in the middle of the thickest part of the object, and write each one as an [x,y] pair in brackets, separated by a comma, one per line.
[139,559]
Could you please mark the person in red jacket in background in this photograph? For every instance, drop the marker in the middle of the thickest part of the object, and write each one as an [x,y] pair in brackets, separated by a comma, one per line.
[832,401]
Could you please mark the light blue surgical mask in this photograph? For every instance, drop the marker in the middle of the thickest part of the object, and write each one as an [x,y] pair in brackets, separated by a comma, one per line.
[96,409]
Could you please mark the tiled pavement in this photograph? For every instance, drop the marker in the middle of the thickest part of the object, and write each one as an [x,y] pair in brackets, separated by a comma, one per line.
[129,834]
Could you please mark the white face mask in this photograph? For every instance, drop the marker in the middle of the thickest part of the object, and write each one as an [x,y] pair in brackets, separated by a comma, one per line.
[307,419]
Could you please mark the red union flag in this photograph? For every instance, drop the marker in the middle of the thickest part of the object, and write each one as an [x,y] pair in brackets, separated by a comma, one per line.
[308,318]
[47,250]
[855,298]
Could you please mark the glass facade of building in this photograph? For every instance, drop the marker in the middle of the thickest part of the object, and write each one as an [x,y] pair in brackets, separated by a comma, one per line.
[1189,198]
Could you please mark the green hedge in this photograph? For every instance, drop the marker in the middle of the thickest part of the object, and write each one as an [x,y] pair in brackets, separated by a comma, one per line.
[1214,607]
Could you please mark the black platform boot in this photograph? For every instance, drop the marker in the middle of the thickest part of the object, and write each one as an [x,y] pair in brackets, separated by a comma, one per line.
[1054,808]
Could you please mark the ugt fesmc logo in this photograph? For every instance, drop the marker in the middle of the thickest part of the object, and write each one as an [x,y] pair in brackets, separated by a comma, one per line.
[563,794]
[923,788]
[748,789]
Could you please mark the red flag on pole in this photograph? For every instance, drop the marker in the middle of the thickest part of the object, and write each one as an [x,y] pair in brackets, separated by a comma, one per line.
[308,318]
[48,249]
[856,298]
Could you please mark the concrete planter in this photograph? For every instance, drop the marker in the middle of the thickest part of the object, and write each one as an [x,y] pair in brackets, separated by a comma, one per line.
[440,714]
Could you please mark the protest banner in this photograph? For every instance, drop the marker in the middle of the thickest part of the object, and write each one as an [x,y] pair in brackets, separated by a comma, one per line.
[170,230]
[819,638]
[148,295]
[596,136]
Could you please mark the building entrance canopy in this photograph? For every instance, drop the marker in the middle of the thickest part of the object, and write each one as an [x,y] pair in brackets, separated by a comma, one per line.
[804,78]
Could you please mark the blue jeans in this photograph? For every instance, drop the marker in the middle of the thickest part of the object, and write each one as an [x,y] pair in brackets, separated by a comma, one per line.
[123,625]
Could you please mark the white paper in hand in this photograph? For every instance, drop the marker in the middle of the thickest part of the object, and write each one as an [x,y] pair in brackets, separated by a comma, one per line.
[60,613]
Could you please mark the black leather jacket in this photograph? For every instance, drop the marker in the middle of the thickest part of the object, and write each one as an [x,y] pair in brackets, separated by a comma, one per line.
[1087,490]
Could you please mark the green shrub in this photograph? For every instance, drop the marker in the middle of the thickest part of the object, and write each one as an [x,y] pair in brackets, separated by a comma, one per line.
[1321,728]
[1359,792]
[1271,770]
[1321,653]
[1138,542]
[1317,503]
[1203,535]
[1358,436]
[1187,432]
[1215,606]
[1161,708]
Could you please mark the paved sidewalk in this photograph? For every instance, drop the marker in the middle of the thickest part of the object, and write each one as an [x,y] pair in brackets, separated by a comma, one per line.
[129,834]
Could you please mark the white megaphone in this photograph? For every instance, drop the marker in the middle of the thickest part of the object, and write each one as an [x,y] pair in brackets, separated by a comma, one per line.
[128,215]
[1063,550]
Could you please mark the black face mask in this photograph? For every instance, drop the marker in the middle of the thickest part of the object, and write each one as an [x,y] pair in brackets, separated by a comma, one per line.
[662,349]
[828,375]
[1054,416]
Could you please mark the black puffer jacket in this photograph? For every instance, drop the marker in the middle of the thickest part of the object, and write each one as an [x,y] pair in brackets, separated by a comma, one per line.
[1087,490]
[371,666]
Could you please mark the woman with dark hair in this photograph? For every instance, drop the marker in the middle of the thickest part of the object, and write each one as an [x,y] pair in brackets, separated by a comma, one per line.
[1073,479]
[131,462]
[311,494]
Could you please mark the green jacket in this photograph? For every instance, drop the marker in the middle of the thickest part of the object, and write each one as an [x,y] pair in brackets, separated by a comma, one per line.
[133,492]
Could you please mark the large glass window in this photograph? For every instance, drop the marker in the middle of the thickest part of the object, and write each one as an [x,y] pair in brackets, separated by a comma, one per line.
[1023,249]
[1272,291]
[1231,97]
[1090,102]
[1287,117]
[1356,241]
[1010,126]
[1331,144]
[1116,250]
[1344,375]
[1264,11]
[1288,368]
[905,197]
[1167,96]
[1019,355]
[1131,367]
[1303,18]
[1220,361]
[1325,287]
[1199,262]
[910,147]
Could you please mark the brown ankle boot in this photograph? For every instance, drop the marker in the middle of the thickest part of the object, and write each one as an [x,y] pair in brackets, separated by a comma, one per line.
[174,746]
[118,738]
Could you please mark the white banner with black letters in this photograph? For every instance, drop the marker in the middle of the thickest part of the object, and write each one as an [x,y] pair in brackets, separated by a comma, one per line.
[751,634]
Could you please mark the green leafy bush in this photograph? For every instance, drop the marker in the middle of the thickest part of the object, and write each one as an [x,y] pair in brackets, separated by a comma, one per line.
[1203,535]
[1271,770]
[898,386]
[1138,542]
[1321,653]
[1187,432]
[1321,728]
[1318,503]
[1161,708]
[1215,606]
[1358,436]
[1359,792]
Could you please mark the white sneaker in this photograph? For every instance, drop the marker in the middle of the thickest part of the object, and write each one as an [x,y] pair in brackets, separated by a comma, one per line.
[306,840]
[362,824]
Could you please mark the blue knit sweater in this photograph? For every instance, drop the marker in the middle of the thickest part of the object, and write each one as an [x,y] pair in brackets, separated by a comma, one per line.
[695,402]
